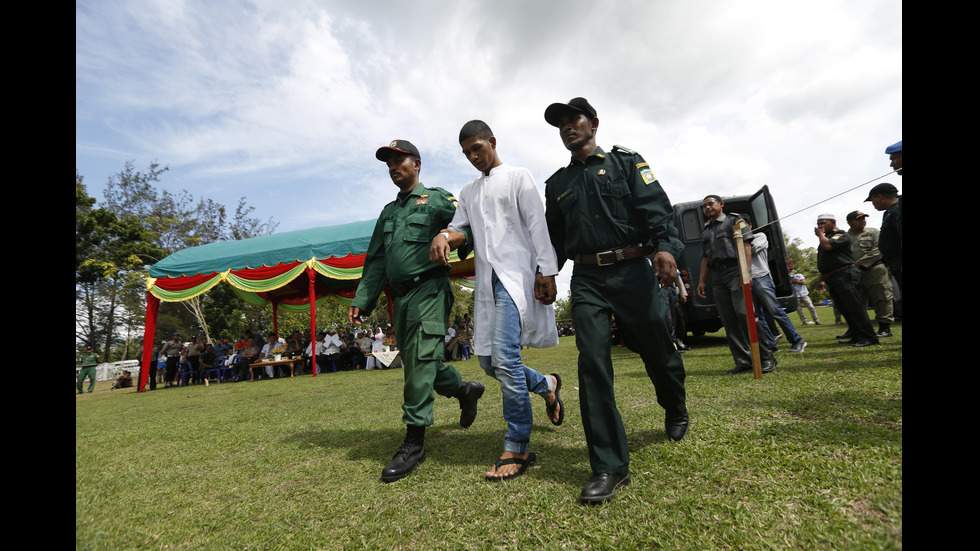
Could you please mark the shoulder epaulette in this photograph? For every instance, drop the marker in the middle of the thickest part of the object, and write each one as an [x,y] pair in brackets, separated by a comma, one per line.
[621,149]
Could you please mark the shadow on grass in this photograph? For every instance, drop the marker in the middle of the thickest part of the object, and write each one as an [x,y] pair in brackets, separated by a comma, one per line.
[853,418]
[451,446]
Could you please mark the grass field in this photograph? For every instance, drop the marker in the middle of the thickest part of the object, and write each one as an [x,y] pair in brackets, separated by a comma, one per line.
[809,457]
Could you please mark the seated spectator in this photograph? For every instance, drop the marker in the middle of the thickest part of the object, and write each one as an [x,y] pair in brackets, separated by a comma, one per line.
[123,381]
[248,355]
[363,344]
[332,347]
[465,336]
[452,342]
[207,360]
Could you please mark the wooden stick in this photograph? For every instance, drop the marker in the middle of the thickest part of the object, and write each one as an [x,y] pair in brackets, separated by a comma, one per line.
[746,278]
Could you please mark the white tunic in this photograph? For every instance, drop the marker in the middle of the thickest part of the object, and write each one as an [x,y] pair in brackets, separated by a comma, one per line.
[505,213]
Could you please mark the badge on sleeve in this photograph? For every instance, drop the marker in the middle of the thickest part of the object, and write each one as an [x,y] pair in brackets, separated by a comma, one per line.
[646,173]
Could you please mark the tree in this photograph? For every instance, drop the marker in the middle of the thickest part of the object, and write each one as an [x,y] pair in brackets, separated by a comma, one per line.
[177,221]
[111,254]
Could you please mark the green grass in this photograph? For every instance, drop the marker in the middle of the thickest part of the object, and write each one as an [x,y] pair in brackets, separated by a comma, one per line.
[809,457]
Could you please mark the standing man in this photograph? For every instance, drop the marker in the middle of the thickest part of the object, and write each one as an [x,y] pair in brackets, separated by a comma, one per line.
[399,255]
[764,293]
[515,269]
[608,213]
[87,360]
[885,197]
[172,350]
[720,261]
[803,297]
[876,284]
[837,272]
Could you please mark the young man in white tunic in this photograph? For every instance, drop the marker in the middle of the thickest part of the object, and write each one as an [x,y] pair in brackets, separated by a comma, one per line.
[516,267]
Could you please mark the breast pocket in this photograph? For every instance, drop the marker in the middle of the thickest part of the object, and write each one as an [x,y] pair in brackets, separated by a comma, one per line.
[616,197]
[417,228]
[389,231]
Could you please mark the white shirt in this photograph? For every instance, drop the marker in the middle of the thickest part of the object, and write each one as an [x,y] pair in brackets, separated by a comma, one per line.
[506,215]
[759,267]
[332,344]
[450,334]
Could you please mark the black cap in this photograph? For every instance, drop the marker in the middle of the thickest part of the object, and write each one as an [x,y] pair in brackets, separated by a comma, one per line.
[880,189]
[555,111]
[855,214]
[397,146]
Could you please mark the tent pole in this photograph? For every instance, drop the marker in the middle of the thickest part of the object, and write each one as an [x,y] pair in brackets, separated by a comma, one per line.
[312,275]
[149,330]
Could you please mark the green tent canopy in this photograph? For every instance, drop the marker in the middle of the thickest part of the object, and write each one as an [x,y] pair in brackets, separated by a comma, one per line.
[293,271]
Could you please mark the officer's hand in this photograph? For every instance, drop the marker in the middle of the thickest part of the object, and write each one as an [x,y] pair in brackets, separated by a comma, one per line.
[439,251]
[354,315]
[665,268]
[545,289]
[701,291]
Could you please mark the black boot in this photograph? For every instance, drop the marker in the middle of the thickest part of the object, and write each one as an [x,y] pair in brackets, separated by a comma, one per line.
[410,453]
[468,395]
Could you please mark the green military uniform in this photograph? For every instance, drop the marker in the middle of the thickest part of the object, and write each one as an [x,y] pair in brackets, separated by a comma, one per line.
[87,361]
[843,280]
[612,201]
[876,284]
[399,254]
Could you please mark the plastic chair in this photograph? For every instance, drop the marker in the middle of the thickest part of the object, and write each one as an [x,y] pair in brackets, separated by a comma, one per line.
[464,351]
[184,373]
[228,368]
[216,369]
[321,364]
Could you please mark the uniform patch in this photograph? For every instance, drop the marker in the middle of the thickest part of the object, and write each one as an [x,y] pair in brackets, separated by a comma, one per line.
[646,173]
[422,200]
[602,171]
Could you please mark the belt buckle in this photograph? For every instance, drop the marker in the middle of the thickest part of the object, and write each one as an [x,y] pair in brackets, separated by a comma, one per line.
[619,256]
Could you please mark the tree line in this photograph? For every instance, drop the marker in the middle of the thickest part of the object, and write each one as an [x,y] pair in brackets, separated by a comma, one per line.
[138,223]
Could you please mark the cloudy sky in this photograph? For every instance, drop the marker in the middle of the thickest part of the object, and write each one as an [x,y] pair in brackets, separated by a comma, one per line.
[285,102]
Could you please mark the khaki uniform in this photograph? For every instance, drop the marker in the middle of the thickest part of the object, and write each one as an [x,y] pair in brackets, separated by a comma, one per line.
[876,284]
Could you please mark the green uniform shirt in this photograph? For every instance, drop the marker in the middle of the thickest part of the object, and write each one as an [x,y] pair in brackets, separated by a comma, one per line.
[609,201]
[839,254]
[88,360]
[399,248]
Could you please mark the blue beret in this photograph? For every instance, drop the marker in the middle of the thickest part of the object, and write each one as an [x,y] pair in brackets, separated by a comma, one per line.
[894,148]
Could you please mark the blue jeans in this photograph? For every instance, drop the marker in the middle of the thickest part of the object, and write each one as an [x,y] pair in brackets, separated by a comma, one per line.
[516,379]
[764,294]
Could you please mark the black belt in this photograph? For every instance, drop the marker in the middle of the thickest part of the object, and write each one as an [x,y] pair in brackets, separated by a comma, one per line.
[722,266]
[613,256]
[834,271]
[402,288]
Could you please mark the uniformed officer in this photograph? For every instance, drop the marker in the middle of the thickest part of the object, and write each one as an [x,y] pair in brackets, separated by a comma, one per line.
[839,274]
[608,213]
[399,255]
[876,284]
[720,260]
[885,198]
[87,360]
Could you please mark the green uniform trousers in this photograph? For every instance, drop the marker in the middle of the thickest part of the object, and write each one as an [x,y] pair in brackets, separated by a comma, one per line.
[421,318]
[86,371]
[629,291]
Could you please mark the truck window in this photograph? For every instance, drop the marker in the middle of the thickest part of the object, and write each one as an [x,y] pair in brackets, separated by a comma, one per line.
[691,225]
